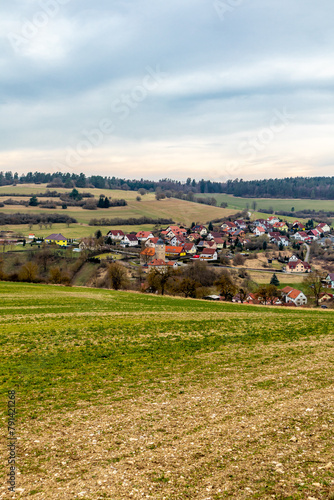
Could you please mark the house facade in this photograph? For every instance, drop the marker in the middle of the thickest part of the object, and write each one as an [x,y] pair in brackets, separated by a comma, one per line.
[144,235]
[294,296]
[209,254]
[129,240]
[58,239]
[329,280]
[298,266]
[116,234]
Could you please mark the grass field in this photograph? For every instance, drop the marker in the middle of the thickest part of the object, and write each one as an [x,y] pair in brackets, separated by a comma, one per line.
[277,203]
[182,212]
[74,231]
[122,395]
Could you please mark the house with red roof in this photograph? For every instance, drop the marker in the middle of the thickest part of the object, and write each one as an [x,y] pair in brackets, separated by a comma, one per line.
[129,240]
[147,255]
[323,227]
[325,297]
[161,265]
[259,231]
[294,296]
[273,220]
[219,242]
[229,227]
[190,248]
[144,235]
[174,251]
[151,242]
[209,254]
[301,236]
[298,266]
[116,234]
[209,244]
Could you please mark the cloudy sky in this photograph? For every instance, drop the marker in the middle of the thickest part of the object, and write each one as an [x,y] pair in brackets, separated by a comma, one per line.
[186,88]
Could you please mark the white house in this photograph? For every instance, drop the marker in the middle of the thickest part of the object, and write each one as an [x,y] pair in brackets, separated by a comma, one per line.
[330,280]
[259,231]
[144,235]
[284,240]
[295,296]
[323,228]
[116,234]
[176,241]
[300,236]
[209,254]
[129,240]
[273,220]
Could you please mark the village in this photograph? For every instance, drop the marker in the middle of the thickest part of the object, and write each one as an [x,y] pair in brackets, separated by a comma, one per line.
[276,246]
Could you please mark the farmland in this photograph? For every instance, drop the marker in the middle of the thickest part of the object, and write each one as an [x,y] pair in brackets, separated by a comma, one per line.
[277,204]
[122,395]
[183,212]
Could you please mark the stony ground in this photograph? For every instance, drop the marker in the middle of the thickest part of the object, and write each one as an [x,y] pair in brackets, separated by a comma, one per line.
[233,437]
[126,396]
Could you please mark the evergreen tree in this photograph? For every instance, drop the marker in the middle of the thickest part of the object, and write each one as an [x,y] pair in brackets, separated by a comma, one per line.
[33,202]
[100,203]
[274,280]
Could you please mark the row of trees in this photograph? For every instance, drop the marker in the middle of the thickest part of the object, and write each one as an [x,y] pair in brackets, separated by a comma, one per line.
[292,187]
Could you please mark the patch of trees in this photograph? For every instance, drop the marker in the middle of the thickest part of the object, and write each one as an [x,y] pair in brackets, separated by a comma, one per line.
[20,218]
[206,201]
[131,221]
[289,187]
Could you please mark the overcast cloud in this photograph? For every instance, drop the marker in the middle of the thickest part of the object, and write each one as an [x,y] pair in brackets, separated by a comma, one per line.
[215,89]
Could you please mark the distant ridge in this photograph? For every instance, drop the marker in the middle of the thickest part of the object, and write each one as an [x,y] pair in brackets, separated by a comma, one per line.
[289,187]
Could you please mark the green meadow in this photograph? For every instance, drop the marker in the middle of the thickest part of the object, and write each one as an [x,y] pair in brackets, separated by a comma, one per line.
[126,395]
[239,203]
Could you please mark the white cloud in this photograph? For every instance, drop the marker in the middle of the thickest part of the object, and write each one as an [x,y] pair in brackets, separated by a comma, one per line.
[225,81]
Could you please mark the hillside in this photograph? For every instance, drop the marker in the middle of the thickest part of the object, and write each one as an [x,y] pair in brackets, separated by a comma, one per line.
[181,211]
[122,395]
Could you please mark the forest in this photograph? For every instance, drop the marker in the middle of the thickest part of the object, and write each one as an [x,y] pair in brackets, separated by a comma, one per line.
[321,188]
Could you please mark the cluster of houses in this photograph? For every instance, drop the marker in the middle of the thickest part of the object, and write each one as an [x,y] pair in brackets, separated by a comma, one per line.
[289,297]
[198,242]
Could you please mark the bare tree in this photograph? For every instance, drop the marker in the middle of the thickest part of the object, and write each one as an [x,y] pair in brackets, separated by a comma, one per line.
[226,286]
[118,276]
[313,283]
[158,279]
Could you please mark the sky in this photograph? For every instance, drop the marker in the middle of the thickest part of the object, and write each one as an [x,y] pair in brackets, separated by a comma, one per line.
[213,89]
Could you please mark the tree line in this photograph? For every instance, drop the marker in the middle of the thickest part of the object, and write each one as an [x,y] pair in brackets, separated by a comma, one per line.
[289,187]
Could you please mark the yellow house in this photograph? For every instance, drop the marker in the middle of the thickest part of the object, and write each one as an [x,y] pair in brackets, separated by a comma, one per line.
[281,226]
[175,251]
[59,239]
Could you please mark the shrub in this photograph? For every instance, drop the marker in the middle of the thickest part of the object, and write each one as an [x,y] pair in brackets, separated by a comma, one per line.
[238,260]
[28,272]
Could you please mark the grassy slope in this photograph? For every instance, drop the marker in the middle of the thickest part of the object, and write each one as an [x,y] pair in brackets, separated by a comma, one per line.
[180,211]
[122,395]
